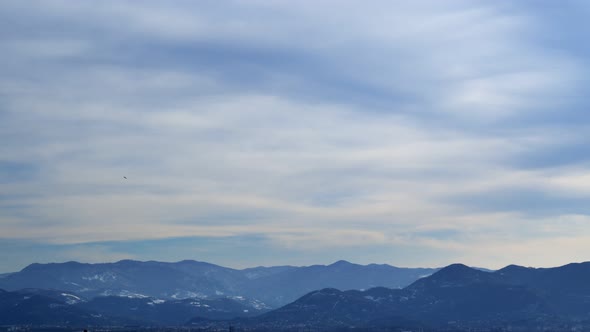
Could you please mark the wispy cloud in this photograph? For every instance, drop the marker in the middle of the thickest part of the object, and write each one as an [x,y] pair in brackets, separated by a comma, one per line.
[446,130]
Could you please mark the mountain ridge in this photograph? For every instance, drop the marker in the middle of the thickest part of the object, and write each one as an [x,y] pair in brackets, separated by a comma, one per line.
[456,297]
[274,286]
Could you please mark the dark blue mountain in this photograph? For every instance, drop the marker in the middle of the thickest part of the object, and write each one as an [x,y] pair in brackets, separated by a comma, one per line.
[286,286]
[329,308]
[456,297]
[269,286]
[151,311]
[460,293]
[566,287]
[58,308]
[129,278]
[33,308]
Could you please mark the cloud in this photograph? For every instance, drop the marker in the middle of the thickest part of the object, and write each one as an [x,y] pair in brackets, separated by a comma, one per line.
[350,126]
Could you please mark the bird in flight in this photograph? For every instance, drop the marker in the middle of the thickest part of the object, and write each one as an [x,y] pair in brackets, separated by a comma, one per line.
[125,177]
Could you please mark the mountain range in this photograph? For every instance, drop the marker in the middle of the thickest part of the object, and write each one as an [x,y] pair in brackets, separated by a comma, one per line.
[456,297]
[268,287]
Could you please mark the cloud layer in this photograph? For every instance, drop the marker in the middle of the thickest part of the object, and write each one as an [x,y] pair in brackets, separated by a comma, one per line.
[418,133]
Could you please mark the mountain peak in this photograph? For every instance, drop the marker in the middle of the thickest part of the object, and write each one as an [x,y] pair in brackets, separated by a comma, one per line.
[341,263]
[329,291]
[456,269]
[454,274]
[513,267]
[460,269]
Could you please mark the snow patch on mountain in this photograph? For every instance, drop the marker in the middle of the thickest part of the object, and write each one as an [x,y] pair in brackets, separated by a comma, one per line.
[180,295]
[102,277]
[155,301]
[198,304]
[71,299]
[132,295]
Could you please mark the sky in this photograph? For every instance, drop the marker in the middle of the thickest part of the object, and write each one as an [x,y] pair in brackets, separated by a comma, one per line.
[412,133]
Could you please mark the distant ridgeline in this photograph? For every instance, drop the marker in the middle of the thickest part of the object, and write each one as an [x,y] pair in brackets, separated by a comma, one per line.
[270,287]
[340,295]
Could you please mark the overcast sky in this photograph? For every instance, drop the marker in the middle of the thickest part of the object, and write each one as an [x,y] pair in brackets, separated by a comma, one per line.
[413,133]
